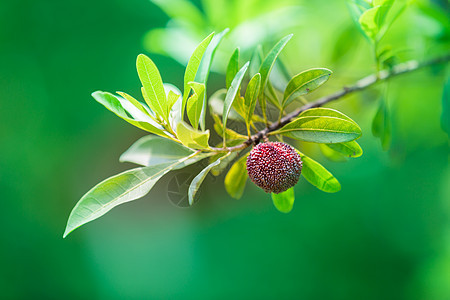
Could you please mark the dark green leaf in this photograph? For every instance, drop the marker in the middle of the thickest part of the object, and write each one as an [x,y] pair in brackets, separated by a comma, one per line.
[381,125]
[284,201]
[304,83]
[321,125]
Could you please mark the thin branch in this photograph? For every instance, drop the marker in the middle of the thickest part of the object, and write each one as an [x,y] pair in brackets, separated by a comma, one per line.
[362,84]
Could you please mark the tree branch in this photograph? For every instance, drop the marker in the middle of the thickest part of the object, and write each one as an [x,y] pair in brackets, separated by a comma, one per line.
[361,84]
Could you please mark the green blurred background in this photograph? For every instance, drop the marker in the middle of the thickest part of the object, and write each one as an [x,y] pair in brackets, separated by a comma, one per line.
[385,235]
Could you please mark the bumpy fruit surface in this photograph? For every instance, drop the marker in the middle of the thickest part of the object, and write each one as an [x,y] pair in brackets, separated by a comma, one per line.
[274,166]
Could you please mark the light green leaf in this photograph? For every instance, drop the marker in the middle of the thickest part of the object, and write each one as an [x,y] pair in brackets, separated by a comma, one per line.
[192,138]
[232,68]
[218,169]
[318,176]
[113,104]
[236,178]
[256,61]
[135,102]
[204,68]
[155,95]
[348,149]
[231,94]
[231,134]
[197,181]
[304,83]
[332,154]
[267,66]
[152,150]
[284,201]
[192,68]
[321,125]
[195,103]
[171,100]
[127,186]
[216,103]
[372,20]
[251,95]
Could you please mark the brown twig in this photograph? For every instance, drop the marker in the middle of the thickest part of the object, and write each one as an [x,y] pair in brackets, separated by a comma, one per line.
[361,84]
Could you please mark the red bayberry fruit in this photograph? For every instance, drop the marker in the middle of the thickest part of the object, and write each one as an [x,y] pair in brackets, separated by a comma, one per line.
[274,167]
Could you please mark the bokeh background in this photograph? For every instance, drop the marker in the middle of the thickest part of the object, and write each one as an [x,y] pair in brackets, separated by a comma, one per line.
[385,235]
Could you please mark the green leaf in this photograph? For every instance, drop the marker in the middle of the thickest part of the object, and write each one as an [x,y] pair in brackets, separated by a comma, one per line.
[321,125]
[152,150]
[331,154]
[231,134]
[113,104]
[373,19]
[127,186]
[218,169]
[198,180]
[153,86]
[304,83]
[192,138]
[231,94]
[256,61]
[267,66]
[195,103]
[192,68]
[216,103]
[204,69]
[236,178]
[284,201]
[348,149]
[174,103]
[381,125]
[232,68]
[135,102]
[251,95]
[318,176]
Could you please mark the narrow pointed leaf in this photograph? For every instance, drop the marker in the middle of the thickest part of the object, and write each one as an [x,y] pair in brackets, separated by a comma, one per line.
[318,176]
[284,201]
[135,102]
[192,138]
[236,178]
[267,66]
[251,95]
[231,94]
[127,186]
[232,68]
[113,104]
[381,125]
[153,85]
[192,68]
[198,180]
[304,83]
[195,103]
